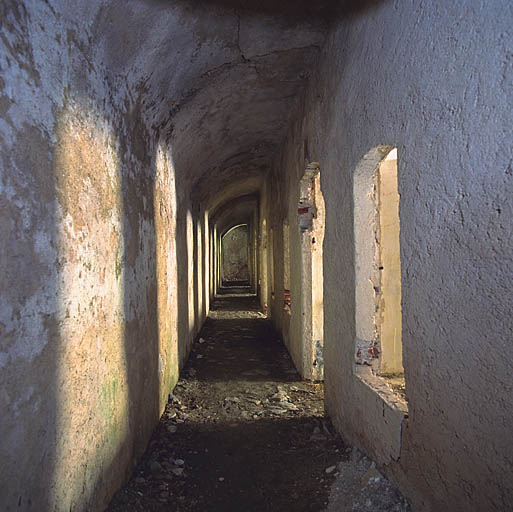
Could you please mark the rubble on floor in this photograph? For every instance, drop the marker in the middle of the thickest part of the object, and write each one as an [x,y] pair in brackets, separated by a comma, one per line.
[242,432]
[359,486]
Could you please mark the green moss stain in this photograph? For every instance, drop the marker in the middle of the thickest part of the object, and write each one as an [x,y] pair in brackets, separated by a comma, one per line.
[107,402]
[118,267]
[170,378]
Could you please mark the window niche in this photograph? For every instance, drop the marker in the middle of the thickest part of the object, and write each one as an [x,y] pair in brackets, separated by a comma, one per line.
[271,260]
[311,224]
[378,349]
[286,267]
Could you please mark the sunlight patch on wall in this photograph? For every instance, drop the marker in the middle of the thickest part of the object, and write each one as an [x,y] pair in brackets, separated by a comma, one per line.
[167,273]
[92,364]
[190,271]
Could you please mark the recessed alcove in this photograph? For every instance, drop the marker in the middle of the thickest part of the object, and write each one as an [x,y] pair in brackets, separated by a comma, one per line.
[378,344]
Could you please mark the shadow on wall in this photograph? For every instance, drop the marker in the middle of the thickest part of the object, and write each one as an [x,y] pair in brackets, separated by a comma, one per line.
[140,287]
[29,327]
[107,339]
[182,257]
[196,251]
[110,322]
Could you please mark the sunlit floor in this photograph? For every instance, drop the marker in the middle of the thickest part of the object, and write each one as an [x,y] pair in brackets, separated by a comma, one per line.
[231,305]
[242,431]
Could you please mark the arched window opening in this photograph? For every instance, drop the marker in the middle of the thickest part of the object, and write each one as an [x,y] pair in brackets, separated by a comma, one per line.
[263,273]
[271,260]
[311,217]
[378,267]
[286,267]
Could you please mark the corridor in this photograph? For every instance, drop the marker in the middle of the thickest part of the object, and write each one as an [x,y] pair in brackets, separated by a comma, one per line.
[243,432]
[236,232]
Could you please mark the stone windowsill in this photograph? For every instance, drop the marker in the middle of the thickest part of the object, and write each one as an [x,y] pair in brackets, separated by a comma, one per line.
[380,387]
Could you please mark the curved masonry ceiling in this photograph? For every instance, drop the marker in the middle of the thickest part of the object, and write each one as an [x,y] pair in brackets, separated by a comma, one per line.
[220,193]
[215,81]
[236,211]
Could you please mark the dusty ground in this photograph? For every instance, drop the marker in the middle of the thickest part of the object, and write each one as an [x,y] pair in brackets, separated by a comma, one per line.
[242,432]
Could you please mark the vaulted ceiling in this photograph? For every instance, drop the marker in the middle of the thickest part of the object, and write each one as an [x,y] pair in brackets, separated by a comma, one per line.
[217,80]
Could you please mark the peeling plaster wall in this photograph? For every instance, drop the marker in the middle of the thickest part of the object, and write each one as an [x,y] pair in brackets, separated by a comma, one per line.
[119,120]
[264,288]
[88,312]
[435,80]
[284,192]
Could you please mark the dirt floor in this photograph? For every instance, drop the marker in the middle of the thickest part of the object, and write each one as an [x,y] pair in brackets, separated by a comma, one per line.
[242,432]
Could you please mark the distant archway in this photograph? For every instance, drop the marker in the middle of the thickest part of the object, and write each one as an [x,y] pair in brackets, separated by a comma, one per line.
[235,256]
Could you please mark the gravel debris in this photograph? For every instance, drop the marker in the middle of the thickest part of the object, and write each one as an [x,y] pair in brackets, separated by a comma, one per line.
[240,416]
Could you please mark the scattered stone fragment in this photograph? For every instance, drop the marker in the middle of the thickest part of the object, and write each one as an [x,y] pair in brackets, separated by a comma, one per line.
[326,429]
[222,420]
[276,410]
[371,476]
[280,396]
[155,467]
[289,406]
